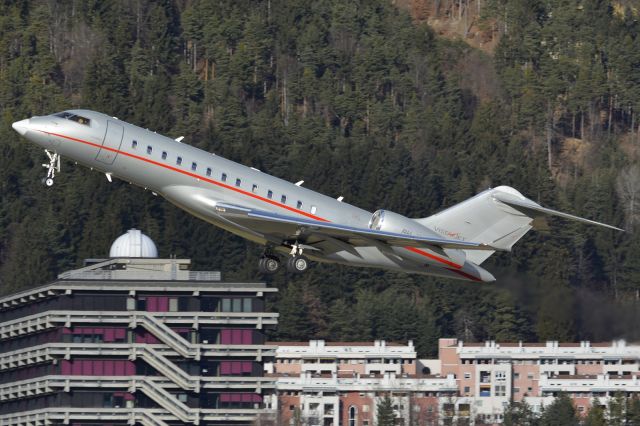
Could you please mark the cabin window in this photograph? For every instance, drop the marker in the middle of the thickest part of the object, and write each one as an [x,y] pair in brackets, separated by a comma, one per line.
[134,144]
[194,166]
[254,188]
[149,149]
[299,204]
[283,199]
[238,182]
[313,209]
[269,194]
[164,155]
[208,171]
[179,161]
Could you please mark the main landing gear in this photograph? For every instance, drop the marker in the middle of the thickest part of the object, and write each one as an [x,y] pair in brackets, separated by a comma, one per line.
[296,264]
[52,167]
[269,264]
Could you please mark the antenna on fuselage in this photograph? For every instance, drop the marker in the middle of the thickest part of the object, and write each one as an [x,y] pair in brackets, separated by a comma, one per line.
[179,138]
[340,198]
[299,183]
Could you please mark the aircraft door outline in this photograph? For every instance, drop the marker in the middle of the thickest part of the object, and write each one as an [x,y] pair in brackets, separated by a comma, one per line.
[112,139]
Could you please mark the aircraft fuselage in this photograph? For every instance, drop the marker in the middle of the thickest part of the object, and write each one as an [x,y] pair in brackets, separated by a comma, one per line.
[198,181]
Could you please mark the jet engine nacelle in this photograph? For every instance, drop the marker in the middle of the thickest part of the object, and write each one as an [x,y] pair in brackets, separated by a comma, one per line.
[388,221]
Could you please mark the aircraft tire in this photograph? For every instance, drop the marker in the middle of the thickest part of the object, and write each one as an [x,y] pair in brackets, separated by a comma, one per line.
[297,264]
[269,265]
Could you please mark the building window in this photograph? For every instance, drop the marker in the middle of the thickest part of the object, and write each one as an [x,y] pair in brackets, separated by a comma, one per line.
[353,415]
[467,389]
[134,144]
[194,166]
[208,171]
[238,182]
[467,375]
[269,194]
[179,161]
[254,188]
[164,155]
[283,199]
[299,204]
[516,376]
[224,177]
[236,304]
[500,390]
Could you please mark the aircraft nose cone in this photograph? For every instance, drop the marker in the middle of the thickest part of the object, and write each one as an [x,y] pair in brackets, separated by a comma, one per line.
[21,126]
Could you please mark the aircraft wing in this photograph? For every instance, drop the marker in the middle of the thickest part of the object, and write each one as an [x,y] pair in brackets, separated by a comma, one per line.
[294,227]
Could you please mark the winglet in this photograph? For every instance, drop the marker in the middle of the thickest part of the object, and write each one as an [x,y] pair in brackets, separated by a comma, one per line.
[535,209]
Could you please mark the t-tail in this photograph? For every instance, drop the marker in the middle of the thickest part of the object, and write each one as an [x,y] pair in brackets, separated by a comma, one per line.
[498,217]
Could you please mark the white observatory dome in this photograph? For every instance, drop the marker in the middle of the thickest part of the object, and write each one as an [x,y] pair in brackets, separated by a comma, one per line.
[133,244]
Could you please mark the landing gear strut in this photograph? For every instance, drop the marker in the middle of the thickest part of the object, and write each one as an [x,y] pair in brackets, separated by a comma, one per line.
[52,167]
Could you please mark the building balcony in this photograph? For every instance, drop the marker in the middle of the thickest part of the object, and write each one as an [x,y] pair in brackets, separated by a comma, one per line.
[144,416]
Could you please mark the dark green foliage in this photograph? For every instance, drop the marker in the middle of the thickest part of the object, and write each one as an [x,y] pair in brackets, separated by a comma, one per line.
[359,101]
[519,414]
[385,414]
[560,413]
[596,416]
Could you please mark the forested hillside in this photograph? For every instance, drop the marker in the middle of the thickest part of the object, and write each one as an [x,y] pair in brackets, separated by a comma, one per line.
[359,100]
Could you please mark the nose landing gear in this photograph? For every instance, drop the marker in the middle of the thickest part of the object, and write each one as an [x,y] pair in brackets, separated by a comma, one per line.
[52,167]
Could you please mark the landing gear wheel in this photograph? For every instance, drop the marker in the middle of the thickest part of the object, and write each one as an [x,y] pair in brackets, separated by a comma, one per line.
[48,182]
[269,265]
[297,264]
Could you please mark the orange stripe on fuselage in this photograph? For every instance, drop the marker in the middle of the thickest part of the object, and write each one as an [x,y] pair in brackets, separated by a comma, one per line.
[249,194]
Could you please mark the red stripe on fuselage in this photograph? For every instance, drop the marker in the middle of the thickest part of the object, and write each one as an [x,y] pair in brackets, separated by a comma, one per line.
[193,175]
[434,257]
[464,274]
[249,194]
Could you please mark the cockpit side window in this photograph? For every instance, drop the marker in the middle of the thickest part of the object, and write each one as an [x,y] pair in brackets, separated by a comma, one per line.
[74,117]
[80,119]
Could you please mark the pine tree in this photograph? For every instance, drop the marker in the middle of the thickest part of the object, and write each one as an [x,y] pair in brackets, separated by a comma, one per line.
[560,413]
[596,416]
[385,414]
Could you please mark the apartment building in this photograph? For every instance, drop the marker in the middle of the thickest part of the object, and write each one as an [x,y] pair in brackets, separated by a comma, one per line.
[493,373]
[132,340]
[329,384]
[341,383]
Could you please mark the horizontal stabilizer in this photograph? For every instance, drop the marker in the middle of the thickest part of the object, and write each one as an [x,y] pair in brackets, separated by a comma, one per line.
[533,209]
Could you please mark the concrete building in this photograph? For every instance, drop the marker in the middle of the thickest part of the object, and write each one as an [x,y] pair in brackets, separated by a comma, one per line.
[135,340]
[323,383]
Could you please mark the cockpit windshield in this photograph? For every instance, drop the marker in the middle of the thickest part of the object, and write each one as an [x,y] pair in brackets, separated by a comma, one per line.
[74,117]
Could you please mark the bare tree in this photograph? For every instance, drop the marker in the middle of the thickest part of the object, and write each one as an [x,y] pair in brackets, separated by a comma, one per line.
[628,187]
